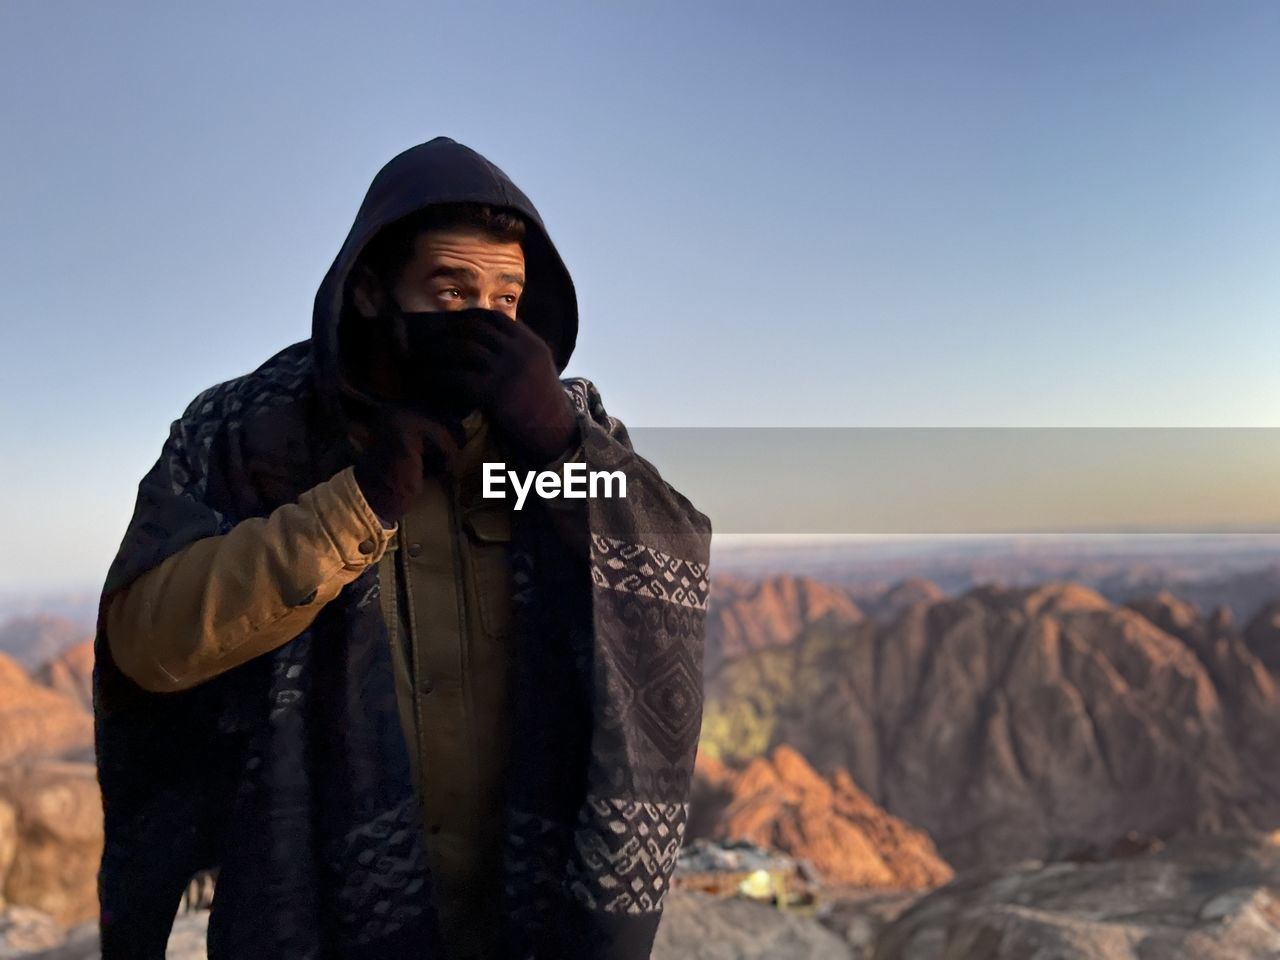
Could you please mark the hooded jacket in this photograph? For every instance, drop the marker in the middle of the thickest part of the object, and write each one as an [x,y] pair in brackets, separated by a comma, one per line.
[290,774]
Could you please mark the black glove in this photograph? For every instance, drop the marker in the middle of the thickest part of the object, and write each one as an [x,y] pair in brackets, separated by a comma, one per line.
[445,363]
[398,450]
[392,359]
[501,366]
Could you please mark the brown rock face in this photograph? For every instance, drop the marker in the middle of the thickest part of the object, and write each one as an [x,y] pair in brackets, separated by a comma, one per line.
[783,804]
[71,674]
[1021,723]
[903,596]
[8,842]
[757,615]
[56,839]
[37,722]
[1212,898]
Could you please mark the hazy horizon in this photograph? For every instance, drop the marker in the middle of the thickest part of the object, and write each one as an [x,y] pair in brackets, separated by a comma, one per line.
[845,554]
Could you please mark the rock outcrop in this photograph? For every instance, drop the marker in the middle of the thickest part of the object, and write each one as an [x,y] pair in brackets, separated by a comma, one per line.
[28,933]
[1212,898]
[781,803]
[1020,723]
[899,598]
[36,722]
[760,614]
[54,839]
[186,940]
[696,926]
[70,674]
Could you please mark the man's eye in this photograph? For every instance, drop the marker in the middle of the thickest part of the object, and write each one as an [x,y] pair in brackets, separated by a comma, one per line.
[451,290]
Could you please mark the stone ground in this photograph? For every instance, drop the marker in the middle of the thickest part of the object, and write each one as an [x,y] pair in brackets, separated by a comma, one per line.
[1199,898]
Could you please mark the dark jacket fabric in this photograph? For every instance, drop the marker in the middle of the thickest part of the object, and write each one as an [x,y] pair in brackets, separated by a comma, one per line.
[290,775]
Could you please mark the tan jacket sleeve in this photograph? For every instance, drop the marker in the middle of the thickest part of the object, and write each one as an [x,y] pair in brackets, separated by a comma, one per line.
[221,601]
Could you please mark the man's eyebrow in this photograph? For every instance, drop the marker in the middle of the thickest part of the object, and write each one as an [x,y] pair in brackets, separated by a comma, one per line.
[458,273]
[466,273]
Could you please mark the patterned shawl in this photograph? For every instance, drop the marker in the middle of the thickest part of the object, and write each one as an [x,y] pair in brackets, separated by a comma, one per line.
[290,774]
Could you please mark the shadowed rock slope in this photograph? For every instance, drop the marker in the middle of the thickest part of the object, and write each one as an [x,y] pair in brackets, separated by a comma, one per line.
[1021,723]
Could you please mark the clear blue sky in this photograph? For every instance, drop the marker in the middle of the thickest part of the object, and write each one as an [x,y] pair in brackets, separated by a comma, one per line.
[776,213]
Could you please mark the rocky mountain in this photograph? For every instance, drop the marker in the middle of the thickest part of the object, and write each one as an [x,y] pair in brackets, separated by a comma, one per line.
[37,722]
[50,810]
[1243,592]
[70,673]
[782,803]
[746,615]
[1020,723]
[891,603]
[34,639]
[50,839]
[1240,571]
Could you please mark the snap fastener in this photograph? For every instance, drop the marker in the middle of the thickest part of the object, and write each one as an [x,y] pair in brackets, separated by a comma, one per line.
[366,547]
[415,549]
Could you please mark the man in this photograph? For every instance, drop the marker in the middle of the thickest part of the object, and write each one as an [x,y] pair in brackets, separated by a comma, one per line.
[396,717]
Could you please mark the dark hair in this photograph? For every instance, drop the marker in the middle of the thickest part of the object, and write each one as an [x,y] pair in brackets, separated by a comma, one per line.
[392,248]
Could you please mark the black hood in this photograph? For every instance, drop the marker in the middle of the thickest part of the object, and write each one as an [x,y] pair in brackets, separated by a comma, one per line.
[445,171]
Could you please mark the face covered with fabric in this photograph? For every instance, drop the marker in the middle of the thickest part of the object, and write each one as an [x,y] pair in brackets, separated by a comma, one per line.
[443,338]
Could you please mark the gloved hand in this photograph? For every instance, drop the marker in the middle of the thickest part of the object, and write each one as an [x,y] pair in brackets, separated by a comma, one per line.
[445,363]
[393,359]
[398,449]
[503,367]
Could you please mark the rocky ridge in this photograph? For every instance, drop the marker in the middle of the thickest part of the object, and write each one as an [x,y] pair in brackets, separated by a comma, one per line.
[781,803]
[1021,723]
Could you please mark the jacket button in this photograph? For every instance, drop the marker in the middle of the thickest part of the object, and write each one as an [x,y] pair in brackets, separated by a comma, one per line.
[366,547]
[415,549]
[427,686]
